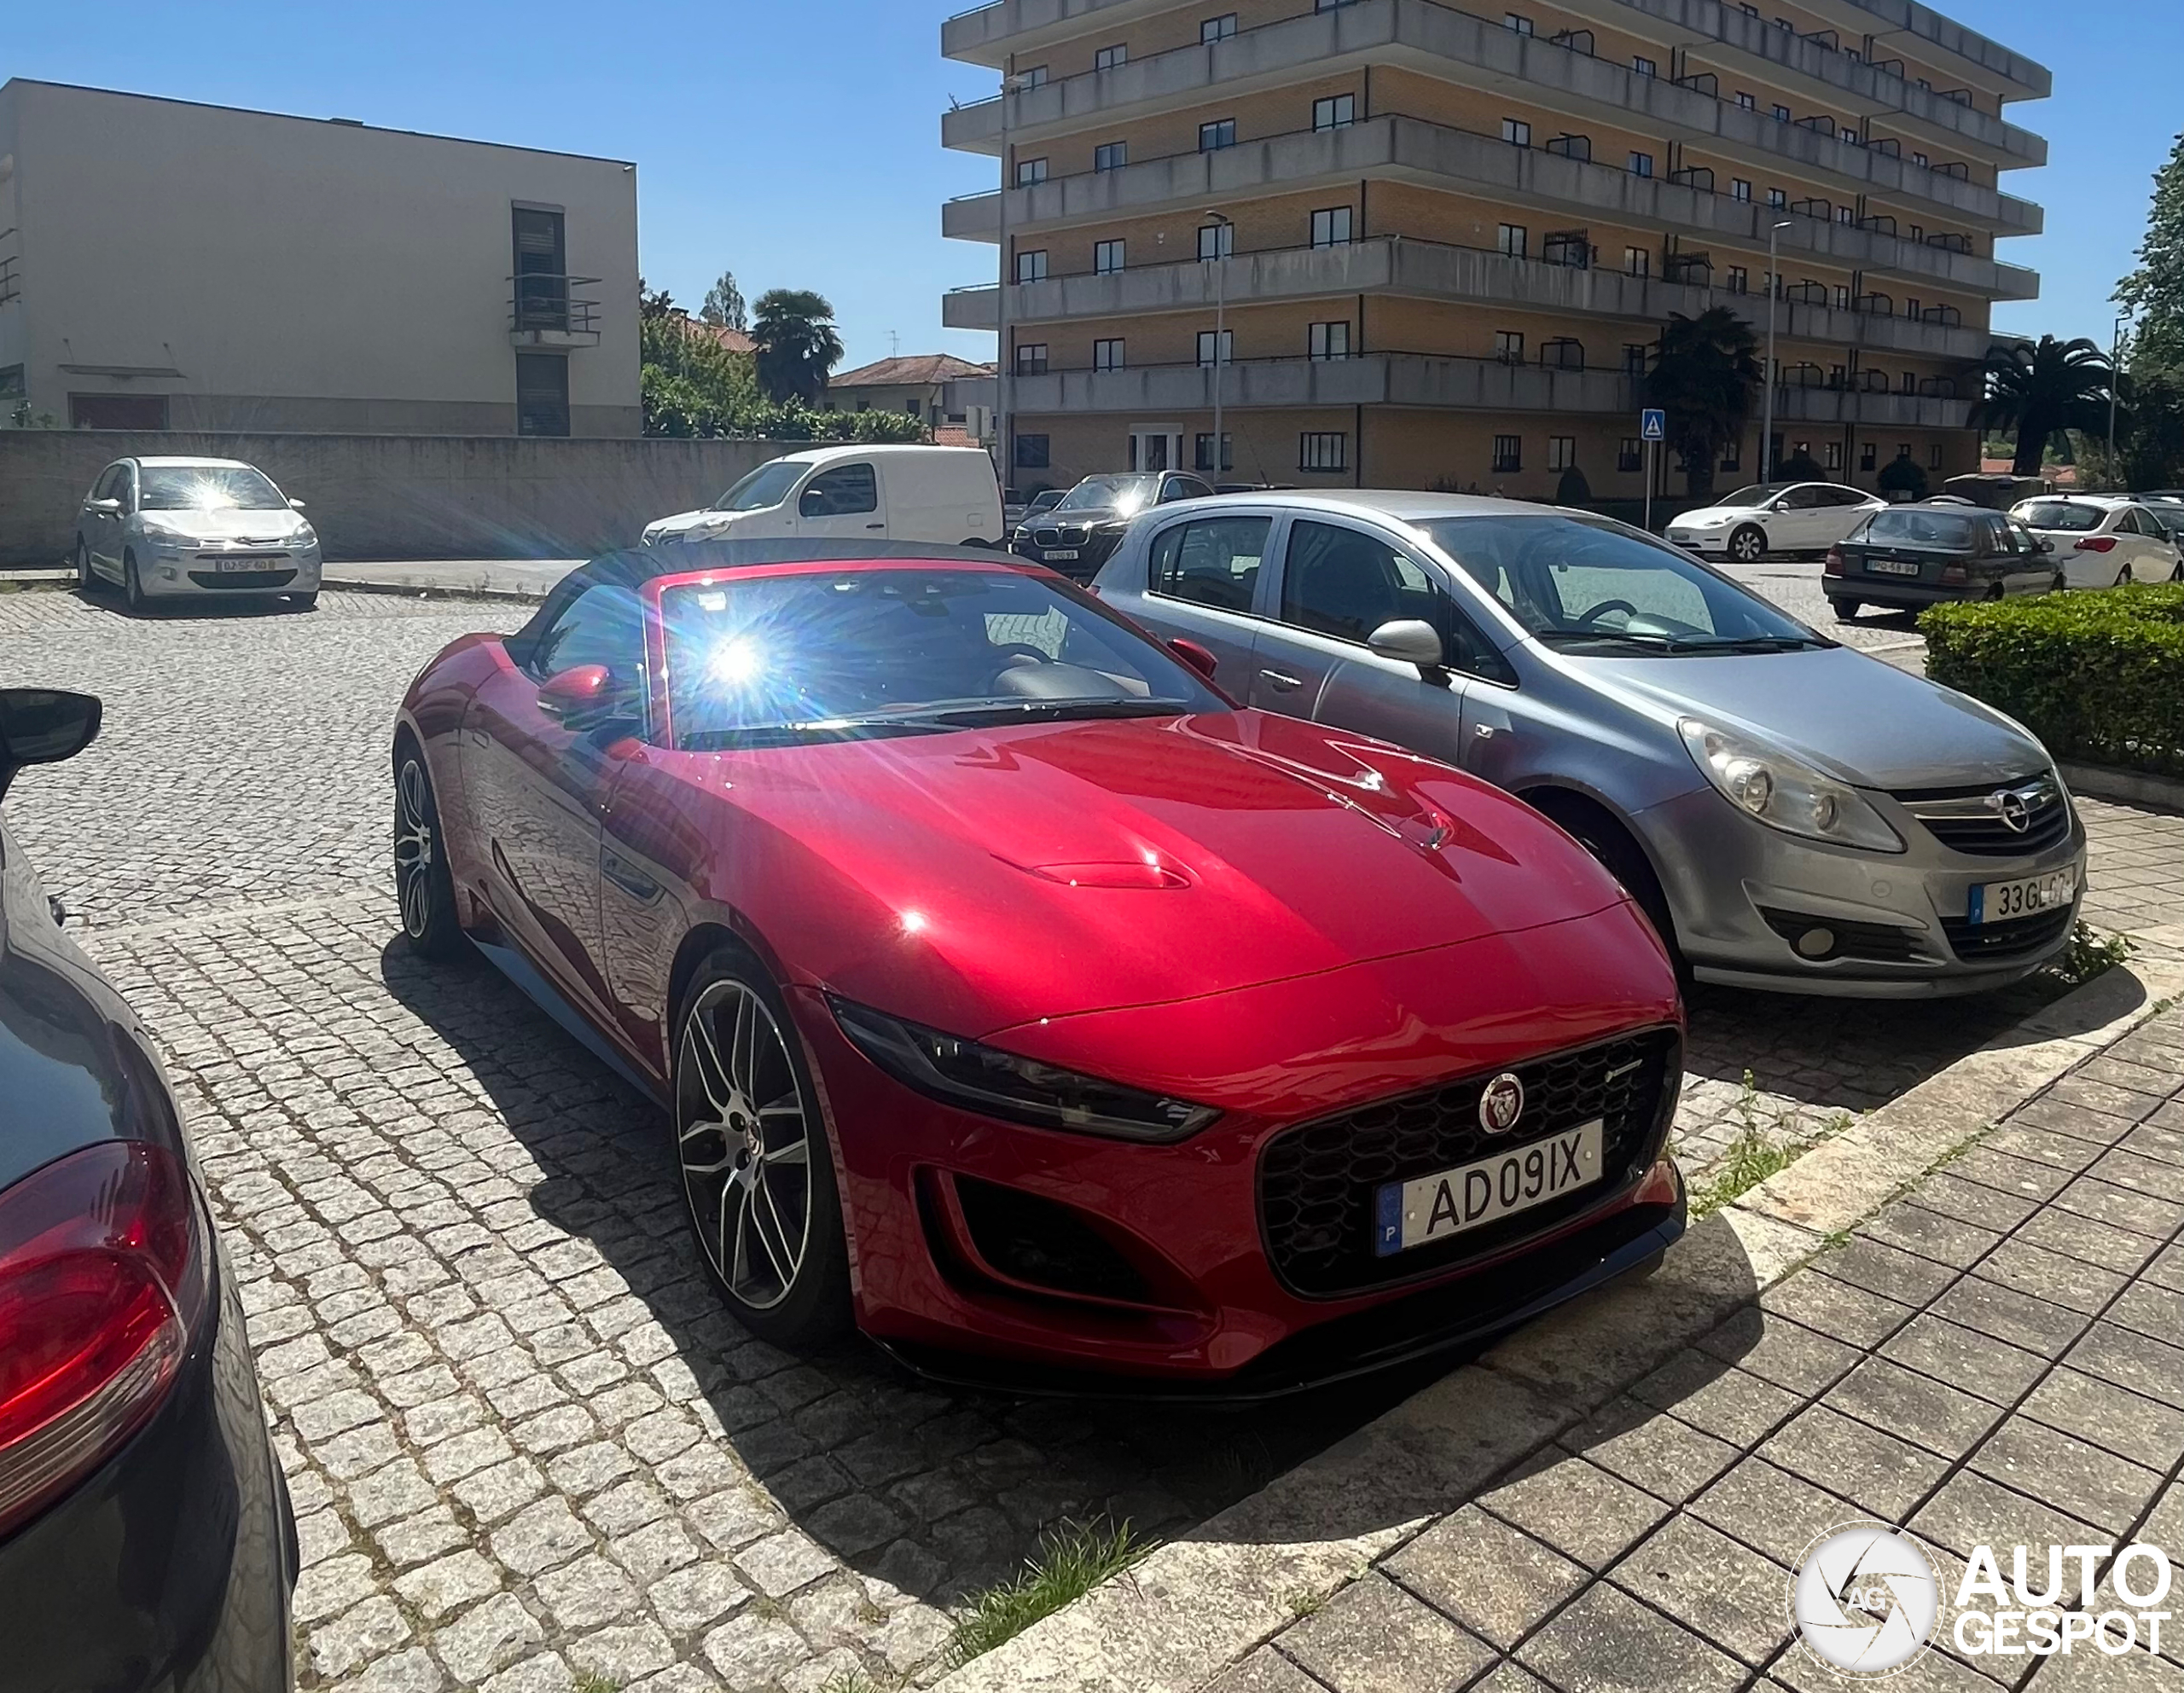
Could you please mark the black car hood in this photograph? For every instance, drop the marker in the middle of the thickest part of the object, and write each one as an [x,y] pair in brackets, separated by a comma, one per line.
[1078,516]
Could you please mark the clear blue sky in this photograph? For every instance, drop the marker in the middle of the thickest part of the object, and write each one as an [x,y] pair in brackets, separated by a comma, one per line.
[797,144]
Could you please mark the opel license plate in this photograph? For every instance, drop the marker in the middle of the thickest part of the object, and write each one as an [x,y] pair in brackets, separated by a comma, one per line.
[1890,567]
[2001,901]
[1434,1207]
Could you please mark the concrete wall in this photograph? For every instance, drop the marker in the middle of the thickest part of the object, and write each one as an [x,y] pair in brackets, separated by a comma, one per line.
[273,273]
[393,496]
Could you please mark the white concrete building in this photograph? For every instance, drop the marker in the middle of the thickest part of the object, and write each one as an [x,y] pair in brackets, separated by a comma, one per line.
[170,266]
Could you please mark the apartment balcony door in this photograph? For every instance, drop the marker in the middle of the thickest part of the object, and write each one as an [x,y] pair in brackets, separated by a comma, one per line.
[541,394]
[1157,449]
[541,268]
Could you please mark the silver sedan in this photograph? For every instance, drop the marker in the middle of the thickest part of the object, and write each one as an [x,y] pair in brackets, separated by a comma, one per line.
[1793,815]
[172,528]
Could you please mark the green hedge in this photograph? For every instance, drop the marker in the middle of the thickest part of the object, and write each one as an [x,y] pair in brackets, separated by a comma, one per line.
[2099,676]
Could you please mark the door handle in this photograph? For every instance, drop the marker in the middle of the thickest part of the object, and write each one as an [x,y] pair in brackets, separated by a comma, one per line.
[875,526]
[1281,681]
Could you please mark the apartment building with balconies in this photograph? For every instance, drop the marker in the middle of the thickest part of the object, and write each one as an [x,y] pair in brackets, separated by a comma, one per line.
[1438,243]
[167,264]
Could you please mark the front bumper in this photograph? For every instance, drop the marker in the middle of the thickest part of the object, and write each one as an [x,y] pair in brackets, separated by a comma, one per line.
[1701,541]
[1090,553]
[176,574]
[1734,886]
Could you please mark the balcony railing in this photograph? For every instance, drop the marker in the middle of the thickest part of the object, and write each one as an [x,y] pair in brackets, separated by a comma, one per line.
[542,307]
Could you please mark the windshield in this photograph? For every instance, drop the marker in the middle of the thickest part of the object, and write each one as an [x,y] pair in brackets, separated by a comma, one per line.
[1923,528]
[1125,494]
[208,488]
[1585,582]
[1758,494]
[2061,514]
[845,654]
[768,485]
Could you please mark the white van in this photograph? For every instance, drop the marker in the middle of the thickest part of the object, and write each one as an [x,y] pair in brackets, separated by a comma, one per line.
[945,496]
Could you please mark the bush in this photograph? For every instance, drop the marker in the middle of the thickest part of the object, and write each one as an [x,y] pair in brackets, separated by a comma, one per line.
[1903,476]
[1573,489]
[2097,677]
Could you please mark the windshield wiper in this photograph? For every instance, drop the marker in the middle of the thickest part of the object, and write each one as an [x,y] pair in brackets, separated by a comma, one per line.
[1046,711]
[1681,644]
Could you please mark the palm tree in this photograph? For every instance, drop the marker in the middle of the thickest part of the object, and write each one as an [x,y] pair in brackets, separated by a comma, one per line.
[1705,375]
[798,343]
[2039,391]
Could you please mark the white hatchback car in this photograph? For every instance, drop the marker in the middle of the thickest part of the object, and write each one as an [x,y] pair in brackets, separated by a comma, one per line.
[168,528]
[2102,539]
[1777,517]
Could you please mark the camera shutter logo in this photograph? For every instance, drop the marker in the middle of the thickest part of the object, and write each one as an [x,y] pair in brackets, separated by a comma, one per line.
[1865,1599]
[1502,1103]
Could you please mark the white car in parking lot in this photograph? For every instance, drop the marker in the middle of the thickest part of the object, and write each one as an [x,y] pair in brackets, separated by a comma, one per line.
[1774,517]
[2102,539]
[173,528]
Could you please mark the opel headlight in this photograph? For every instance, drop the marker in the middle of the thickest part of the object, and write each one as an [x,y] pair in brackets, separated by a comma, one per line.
[975,1078]
[1784,792]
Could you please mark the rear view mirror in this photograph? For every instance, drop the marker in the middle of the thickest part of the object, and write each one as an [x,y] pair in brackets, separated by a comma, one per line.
[1409,640]
[1198,657]
[43,726]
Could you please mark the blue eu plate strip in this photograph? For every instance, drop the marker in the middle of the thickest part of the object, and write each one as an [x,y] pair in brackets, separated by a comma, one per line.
[1387,1237]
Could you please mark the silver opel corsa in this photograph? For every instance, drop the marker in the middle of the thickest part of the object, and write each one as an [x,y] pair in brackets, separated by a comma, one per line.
[1793,815]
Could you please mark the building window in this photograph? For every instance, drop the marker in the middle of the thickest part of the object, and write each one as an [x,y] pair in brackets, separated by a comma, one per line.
[1781,114]
[1511,239]
[1834,460]
[1561,452]
[1111,155]
[1108,258]
[1738,281]
[1323,449]
[1740,189]
[1644,67]
[1844,132]
[1330,340]
[1516,132]
[1037,77]
[1910,382]
[1634,359]
[1776,200]
[1031,359]
[1846,214]
[1508,452]
[1749,102]
[1205,347]
[1842,298]
[1517,21]
[1216,241]
[1922,161]
[1867,456]
[1216,29]
[1509,346]
[1331,228]
[1212,138]
[1911,308]
[1732,455]
[1631,455]
[1934,456]
[1902,450]
[1337,111]
[1030,170]
[1108,354]
[1637,262]
[1031,267]
[1205,457]
[1110,58]
[1032,452]
[1641,164]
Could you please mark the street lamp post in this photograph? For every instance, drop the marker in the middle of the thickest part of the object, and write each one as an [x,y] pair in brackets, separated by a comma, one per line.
[2115,376]
[1221,240]
[1767,373]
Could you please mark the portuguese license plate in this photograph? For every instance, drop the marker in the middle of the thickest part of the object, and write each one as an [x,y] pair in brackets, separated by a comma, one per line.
[1890,567]
[262,561]
[2001,901]
[1431,1208]
[1054,552]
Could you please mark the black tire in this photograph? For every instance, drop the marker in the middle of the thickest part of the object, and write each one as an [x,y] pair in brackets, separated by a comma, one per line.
[132,588]
[1748,545]
[424,887]
[756,1167]
[1844,610]
[86,578]
[1642,1272]
[304,602]
[1993,596]
[2123,575]
[2177,575]
[1601,835]
[2062,583]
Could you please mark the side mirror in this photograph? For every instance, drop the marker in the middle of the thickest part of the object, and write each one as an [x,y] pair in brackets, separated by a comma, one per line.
[2046,546]
[812,505]
[295,504]
[1198,657]
[104,507]
[580,697]
[43,726]
[1409,640]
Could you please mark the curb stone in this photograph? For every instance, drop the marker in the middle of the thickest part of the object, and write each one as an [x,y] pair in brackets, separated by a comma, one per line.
[1194,1606]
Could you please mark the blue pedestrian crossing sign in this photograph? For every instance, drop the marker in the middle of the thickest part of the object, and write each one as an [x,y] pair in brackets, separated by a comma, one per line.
[1654,424]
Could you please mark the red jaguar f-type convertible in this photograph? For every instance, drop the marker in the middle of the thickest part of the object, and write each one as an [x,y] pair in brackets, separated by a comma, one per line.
[1016,995]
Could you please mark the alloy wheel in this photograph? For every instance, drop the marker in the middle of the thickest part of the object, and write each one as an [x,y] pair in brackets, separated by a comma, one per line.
[1747,546]
[743,1136]
[413,848]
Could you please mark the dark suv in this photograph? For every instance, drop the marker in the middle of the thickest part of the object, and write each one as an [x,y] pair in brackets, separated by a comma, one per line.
[1936,551]
[1076,535]
[145,1541]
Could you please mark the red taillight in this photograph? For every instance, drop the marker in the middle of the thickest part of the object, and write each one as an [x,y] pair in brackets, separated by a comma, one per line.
[2096,543]
[1954,576]
[1833,566]
[102,1277]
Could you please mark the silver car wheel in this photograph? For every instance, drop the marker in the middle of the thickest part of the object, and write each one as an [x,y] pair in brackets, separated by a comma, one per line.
[743,1137]
[1748,546]
[413,849]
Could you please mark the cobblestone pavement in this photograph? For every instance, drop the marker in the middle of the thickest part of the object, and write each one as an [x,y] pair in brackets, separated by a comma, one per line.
[1993,1360]
[525,1443]
[1794,584]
